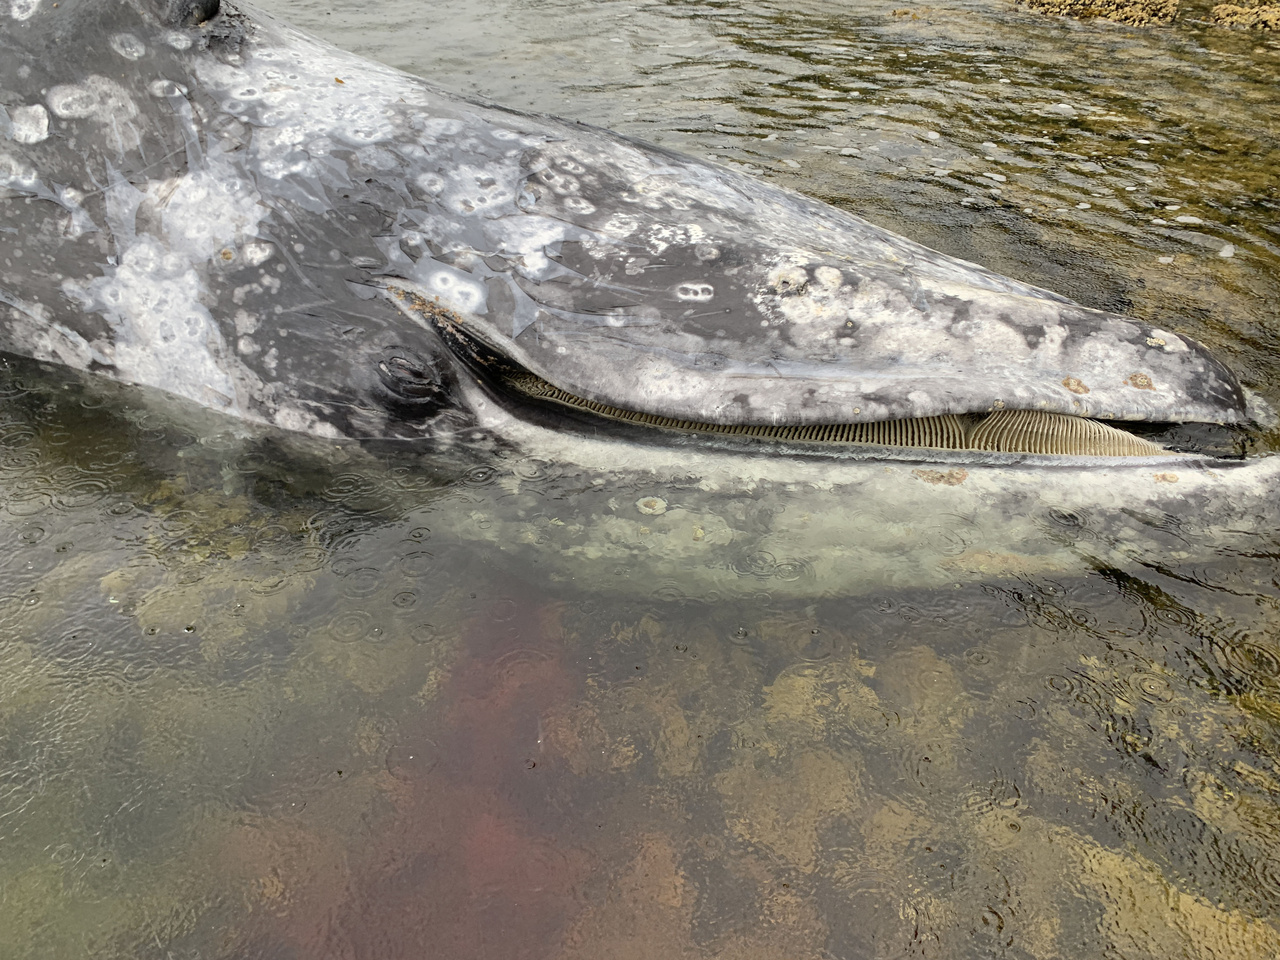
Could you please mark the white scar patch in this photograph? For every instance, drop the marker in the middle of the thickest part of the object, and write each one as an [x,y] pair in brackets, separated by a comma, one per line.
[102,101]
[17,175]
[155,299]
[23,9]
[29,124]
[128,46]
[163,334]
[97,98]
[460,293]
[204,211]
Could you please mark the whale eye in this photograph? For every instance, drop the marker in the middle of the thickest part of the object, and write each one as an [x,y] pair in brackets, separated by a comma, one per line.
[407,378]
[409,385]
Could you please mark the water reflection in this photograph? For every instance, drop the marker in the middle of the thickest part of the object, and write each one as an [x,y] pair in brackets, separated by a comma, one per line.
[264,697]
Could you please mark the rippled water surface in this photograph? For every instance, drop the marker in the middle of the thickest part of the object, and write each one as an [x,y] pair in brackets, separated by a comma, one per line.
[268,698]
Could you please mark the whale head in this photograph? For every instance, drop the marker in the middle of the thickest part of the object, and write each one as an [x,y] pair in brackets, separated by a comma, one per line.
[210,202]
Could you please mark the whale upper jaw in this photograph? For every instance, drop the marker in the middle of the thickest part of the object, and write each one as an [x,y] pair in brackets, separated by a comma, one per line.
[218,210]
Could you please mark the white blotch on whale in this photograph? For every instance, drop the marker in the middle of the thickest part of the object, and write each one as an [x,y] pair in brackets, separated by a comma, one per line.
[579,206]
[29,124]
[360,124]
[435,129]
[430,183]
[163,89]
[128,46]
[204,212]
[23,9]
[661,235]
[256,254]
[285,151]
[459,293]
[696,292]
[104,102]
[475,189]
[526,240]
[97,97]
[560,183]
[162,332]
[620,225]
[16,174]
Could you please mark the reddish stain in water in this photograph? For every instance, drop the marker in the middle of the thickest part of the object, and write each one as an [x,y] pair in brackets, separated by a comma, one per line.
[477,859]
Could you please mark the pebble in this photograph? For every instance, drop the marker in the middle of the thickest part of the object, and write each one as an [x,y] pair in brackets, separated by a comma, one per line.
[1227,251]
[933,134]
[1084,206]
[1190,220]
[1165,259]
[997,177]
[1061,109]
[1160,223]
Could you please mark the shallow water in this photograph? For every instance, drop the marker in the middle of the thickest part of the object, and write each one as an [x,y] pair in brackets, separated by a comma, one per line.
[262,697]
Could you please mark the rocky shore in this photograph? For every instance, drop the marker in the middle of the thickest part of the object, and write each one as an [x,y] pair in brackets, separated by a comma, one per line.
[1254,14]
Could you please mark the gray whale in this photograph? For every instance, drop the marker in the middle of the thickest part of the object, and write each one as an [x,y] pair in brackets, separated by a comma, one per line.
[204,200]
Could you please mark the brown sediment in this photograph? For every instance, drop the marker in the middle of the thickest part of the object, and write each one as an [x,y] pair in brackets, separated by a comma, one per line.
[1258,14]
[948,478]
[1123,11]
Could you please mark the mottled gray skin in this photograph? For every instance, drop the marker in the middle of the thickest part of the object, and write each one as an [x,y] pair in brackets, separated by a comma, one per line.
[225,210]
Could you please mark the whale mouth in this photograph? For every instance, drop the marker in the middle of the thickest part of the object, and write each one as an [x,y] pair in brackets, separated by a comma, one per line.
[1003,431]
[1006,431]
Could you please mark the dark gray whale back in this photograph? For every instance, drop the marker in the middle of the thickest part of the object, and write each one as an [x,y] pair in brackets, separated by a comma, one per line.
[238,213]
